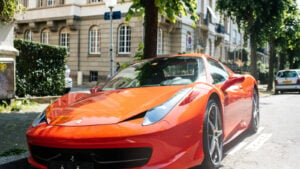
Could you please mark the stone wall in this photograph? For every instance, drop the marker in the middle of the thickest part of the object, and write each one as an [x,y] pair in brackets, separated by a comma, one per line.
[7,61]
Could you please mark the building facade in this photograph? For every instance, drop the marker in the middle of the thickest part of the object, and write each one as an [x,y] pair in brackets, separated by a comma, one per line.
[217,34]
[80,26]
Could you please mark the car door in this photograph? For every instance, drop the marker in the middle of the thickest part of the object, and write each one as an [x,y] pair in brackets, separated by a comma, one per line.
[233,113]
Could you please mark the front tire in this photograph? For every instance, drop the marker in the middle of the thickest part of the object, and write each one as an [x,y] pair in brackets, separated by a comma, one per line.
[212,136]
[255,113]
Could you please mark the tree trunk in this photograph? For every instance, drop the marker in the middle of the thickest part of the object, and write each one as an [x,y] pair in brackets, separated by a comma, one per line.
[293,62]
[281,61]
[290,55]
[271,63]
[151,23]
[253,66]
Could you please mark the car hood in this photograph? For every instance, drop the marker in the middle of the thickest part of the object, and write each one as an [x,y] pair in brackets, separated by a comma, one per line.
[106,107]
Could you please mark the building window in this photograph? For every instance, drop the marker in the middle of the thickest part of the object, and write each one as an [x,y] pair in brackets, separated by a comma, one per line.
[45,36]
[95,1]
[41,3]
[64,38]
[124,39]
[28,35]
[93,76]
[50,2]
[189,41]
[94,40]
[159,42]
[24,3]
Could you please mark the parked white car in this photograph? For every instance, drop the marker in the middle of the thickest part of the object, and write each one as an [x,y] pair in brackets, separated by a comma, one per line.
[287,80]
[68,80]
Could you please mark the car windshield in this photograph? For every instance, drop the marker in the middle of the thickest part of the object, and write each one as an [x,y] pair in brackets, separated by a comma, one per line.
[286,74]
[158,72]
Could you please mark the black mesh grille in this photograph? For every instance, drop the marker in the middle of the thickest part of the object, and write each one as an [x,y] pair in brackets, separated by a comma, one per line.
[99,158]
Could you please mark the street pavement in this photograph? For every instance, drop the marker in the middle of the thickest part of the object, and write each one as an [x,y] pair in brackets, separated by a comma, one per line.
[277,143]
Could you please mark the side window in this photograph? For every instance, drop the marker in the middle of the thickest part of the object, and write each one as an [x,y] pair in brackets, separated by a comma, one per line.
[218,73]
[202,72]
[293,74]
[279,74]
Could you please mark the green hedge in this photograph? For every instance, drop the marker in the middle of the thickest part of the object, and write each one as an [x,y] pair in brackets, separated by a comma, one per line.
[39,69]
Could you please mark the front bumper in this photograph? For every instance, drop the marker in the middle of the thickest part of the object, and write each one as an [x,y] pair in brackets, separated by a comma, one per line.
[119,147]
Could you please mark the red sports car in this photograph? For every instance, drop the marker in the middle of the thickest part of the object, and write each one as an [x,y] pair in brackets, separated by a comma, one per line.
[172,112]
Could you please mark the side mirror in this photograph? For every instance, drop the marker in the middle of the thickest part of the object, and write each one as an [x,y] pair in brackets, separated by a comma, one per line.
[94,89]
[232,80]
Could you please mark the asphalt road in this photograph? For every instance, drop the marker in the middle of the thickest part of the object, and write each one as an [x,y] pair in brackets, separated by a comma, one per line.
[277,143]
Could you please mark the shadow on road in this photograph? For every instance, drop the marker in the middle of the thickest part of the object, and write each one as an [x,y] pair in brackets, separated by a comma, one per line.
[230,146]
[13,128]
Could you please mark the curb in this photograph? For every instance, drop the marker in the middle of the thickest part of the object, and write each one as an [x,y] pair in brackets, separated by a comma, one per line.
[46,99]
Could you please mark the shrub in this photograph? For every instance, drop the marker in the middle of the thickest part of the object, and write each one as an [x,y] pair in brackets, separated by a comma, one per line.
[39,69]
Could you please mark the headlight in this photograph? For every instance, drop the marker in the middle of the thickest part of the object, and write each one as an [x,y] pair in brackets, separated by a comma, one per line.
[41,117]
[156,114]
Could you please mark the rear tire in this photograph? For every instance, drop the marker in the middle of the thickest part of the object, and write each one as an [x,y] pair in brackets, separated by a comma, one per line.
[255,113]
[212,136]
[276,91]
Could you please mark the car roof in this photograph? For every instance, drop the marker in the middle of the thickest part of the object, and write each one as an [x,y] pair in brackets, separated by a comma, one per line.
[289,70]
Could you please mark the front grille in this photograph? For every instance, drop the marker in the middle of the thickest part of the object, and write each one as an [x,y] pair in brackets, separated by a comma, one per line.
[100,158]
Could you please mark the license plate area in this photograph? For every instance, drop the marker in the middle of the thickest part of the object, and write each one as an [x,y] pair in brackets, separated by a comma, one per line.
[287,81]
[70,165]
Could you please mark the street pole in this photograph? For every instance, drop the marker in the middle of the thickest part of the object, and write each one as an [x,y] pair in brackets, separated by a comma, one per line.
[110,4]
[111,43]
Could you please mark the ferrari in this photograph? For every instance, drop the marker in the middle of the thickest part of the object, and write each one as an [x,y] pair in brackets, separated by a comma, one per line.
[171,112]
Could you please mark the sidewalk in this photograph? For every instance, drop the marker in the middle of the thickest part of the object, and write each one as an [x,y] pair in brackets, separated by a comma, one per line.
[262,89]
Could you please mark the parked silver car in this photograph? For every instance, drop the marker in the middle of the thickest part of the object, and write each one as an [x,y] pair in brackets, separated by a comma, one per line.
[68,79]
[287,80]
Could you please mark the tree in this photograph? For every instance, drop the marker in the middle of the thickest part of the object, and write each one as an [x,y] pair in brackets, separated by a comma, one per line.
[150,10]
[288,40]
[8,8]
[273,22]
[248,15]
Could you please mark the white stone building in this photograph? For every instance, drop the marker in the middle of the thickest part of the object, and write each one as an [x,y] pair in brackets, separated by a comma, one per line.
[80,26]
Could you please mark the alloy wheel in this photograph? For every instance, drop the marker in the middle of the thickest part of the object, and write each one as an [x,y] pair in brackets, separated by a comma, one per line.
[215,134]
[255,109]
